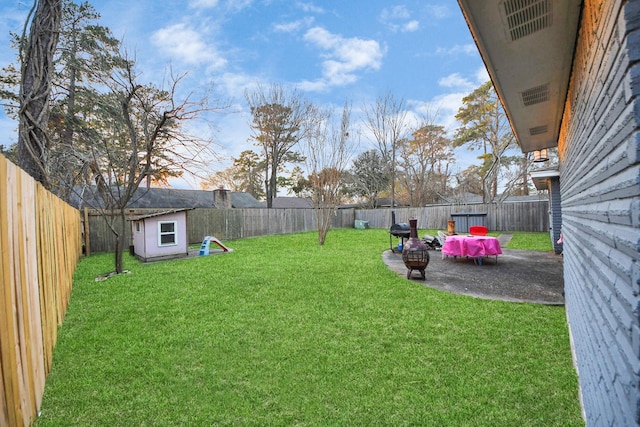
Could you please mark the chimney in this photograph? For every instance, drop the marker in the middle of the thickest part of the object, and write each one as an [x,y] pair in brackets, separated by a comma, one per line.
[222,198]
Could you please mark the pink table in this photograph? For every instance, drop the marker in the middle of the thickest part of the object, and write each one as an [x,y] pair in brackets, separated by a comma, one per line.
[471,246]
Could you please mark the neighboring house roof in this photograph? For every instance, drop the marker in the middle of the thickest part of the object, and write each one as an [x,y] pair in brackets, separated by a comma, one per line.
[163,198]
[292,203]
[383,202]
[244,201]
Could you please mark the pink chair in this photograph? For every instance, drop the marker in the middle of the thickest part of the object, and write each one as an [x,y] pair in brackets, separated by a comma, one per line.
[478,230]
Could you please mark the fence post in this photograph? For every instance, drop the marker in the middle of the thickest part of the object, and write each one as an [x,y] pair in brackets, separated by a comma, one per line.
[87,238]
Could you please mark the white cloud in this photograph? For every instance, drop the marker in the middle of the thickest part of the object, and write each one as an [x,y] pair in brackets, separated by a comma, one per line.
[466,49]
[230,5]
[396,12]
[233,85]
[438,12]
[455,80]
[482,75]
[290,27]
[203,3]
[411,26]
[398,19]
[238,5]
[309,7]
[344,58]
[187,45]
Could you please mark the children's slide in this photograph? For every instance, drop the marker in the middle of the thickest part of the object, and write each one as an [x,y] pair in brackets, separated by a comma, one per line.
[204,248]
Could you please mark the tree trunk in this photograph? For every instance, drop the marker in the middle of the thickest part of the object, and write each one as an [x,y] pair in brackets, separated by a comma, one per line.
[272,185]
[120,243]
[37,71]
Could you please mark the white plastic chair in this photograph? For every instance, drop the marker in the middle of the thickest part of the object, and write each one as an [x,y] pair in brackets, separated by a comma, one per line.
[442,237]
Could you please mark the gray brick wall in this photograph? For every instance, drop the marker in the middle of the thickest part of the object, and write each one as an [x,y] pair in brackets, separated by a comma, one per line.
[600,190]
[555,206]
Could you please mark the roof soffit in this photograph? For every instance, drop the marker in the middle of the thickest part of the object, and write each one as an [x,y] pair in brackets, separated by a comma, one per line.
[527,46]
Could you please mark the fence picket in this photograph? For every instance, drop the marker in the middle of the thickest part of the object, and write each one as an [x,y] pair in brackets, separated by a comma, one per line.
[40,244]
[228,224]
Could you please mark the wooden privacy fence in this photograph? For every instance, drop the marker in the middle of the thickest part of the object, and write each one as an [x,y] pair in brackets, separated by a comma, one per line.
[40,244]
[507,216]
[227,224]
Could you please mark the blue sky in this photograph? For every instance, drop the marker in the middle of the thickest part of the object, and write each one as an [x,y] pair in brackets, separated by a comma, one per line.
[331,51]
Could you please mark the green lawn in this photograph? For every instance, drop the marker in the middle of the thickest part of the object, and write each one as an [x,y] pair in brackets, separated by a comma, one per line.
[285,332]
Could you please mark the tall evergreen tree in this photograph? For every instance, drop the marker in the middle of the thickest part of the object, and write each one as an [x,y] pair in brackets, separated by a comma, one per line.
[484,126]
[278,116]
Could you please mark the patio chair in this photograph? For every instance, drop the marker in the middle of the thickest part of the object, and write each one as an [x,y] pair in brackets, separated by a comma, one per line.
[478,230]
[441,238]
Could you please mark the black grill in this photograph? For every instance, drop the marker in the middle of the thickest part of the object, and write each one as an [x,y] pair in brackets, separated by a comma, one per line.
[400,230]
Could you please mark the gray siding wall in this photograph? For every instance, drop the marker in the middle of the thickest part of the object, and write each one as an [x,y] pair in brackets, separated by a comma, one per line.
[599,181]
[556,213]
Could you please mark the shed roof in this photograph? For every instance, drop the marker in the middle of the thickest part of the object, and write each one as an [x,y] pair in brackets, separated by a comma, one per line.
[540,177]
[156,214]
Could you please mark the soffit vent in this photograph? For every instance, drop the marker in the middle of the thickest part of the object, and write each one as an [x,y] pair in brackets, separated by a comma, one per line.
[525,17]
[538,130]
[535,95]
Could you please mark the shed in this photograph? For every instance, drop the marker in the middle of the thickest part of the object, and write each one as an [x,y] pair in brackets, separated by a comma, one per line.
[160,236]
[464,220]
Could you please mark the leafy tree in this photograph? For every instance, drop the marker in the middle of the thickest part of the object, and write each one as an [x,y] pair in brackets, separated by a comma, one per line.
[369,176]
[225,178]
[386,119]
[484,126]
[297,183]
[86,57]
[425,161]
[245,174]
[278,116]
[290,179]
[469,181]
[36,56]
[10,85]
[87,54]
[250,169]
[515,175]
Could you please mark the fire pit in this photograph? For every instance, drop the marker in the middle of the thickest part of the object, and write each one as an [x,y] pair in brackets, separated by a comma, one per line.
[415,253]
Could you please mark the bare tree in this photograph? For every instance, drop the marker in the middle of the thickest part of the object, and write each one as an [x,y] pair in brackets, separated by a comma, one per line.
[35,87]
[328,152]
[387,122]
[139,124]
[369,177]
[278,115]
